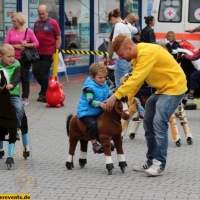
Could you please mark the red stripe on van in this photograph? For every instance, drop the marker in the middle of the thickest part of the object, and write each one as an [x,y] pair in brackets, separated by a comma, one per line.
[180,36]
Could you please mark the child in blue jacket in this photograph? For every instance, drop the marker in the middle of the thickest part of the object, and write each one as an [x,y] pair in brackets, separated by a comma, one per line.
[95,92]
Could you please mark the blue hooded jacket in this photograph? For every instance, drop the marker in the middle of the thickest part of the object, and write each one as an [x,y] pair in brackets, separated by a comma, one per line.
[101,93]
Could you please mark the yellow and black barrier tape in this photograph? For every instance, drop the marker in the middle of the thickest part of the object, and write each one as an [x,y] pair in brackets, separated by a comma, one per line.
[83,52]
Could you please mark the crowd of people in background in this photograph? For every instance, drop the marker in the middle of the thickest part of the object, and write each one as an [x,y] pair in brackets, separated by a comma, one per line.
[45,37]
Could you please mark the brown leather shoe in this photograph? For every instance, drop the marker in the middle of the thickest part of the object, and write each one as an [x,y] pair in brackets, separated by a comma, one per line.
[42,98]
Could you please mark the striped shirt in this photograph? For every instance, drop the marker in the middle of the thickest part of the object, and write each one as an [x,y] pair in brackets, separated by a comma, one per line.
[88,92]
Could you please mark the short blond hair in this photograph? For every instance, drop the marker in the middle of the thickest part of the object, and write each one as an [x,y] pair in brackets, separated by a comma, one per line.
[97,67]
[171,32]
[4,48]
[20,17]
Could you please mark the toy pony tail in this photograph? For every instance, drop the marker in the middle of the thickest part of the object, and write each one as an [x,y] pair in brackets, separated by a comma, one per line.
[67,124]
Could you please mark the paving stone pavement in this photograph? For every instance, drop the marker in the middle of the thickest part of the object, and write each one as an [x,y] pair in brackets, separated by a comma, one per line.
[45,176]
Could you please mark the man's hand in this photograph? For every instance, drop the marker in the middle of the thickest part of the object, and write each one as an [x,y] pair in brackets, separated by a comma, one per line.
[191,30]
[110,102]
[103,106]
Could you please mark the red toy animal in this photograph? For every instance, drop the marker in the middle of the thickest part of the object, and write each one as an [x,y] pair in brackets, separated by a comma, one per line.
[54,95]
[186,45]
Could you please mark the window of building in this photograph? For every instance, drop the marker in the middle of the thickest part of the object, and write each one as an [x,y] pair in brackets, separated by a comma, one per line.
[77,31]
[131,6]
[194,11]
[77,26]
[52,6]
[105,7]
[8,7]
[170,11]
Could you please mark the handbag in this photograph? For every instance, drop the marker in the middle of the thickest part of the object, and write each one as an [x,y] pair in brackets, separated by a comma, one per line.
[29,54]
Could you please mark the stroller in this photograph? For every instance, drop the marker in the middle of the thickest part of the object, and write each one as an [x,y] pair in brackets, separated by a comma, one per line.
[110,78]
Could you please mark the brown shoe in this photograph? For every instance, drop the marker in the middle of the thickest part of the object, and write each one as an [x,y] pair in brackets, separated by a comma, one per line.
[42,98]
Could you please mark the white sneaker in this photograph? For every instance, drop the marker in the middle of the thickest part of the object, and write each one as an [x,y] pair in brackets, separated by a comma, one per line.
[141,168]
[155,169]
[25,101]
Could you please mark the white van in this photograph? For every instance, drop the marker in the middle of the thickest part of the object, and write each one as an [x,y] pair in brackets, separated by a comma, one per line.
[178,16]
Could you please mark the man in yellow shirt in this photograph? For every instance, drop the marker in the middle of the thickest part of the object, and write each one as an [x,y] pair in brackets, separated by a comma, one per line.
[158,68]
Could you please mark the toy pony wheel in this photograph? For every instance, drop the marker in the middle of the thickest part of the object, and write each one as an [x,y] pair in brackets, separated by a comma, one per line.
[132,136]
[69,165]
[110,171]
[9,162]
[9,166]
[123,169]
[81,165]
[178,143]
[190,106]
[189,141]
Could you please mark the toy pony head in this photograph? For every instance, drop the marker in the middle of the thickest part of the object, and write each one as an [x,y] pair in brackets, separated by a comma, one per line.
[3,79]
[121,108]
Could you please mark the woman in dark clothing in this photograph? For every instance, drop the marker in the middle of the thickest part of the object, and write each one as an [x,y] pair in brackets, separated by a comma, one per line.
[147,33]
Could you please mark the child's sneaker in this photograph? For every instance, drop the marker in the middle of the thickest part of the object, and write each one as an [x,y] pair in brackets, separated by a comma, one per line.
[138,119]
[97,148]
[189,96]
[25,101]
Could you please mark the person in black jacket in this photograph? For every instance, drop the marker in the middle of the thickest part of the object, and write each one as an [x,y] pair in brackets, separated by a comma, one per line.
[147,33]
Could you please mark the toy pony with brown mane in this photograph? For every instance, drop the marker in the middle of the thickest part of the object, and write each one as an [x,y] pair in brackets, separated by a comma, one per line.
[8,123]
[109,128]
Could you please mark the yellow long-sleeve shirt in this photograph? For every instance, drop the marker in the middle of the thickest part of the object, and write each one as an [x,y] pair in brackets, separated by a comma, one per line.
[157,67]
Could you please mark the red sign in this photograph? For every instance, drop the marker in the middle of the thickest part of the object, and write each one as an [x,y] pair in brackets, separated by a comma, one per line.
[73,58]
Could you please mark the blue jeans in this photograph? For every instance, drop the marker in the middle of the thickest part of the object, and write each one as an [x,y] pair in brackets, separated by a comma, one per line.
[41,69]
[19,108]
[121,68]
[158,109]
[194,80]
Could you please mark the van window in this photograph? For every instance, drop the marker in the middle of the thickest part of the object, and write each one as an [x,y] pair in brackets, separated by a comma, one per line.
[194,11]
[170,11]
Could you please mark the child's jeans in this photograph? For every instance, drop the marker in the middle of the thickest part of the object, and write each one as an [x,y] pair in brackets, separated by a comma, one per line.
[91,125]
[17,103]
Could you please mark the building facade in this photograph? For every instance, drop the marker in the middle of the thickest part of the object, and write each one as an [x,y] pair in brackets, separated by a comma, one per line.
[84,23]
